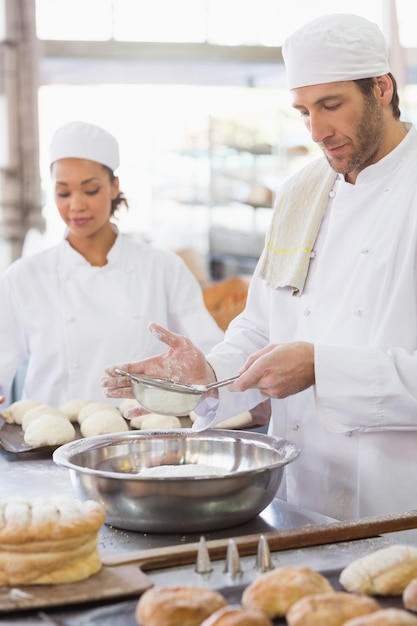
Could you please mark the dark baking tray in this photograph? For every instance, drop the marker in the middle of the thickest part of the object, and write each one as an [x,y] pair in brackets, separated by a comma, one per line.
[123,613]
[12,439]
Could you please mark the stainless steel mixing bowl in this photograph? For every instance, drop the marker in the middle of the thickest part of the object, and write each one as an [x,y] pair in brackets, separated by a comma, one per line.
[107,468]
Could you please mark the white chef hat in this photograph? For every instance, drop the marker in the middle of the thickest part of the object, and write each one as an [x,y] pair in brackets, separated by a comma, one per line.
[334,48]
[82,140]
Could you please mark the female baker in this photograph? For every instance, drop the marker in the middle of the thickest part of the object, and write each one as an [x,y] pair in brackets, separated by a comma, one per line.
[86,302]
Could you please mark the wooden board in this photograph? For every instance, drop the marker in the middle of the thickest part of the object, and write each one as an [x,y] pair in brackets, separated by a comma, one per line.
[311,535]
[123,574]
[111,583]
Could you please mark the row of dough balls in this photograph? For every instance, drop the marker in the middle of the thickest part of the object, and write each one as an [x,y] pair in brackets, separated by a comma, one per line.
[46,425]
[300,594]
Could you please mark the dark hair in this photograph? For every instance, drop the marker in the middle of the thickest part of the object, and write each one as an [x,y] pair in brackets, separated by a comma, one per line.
[120,199]
[366,86]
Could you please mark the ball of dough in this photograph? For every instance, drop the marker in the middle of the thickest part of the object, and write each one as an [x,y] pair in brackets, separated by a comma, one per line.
[329,609]
[177,606]
[14,413]
[128,403]
[38,411]
[136,422]
[384,572]
[241,420]
[384,617]
[237,616]
[49,430]
[410,595]
[103,422]
[154,421]
[275,591]
[71,408]
[94,407]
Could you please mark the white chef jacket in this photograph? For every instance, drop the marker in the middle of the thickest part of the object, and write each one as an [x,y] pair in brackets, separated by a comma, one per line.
[357,427]
[70,319]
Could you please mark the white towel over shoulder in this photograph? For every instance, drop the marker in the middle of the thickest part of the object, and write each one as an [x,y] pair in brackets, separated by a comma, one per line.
[297,217]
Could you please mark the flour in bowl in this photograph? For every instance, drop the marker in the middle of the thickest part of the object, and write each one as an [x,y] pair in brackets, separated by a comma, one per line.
[180,471]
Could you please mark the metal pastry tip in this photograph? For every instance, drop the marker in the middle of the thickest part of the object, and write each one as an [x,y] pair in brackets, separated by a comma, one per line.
[203,564]
[263,556]
[232,566]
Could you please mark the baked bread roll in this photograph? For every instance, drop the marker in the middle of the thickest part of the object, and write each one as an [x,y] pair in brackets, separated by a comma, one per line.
[49,541]
[384,617]
[237,616]
[329,609]
[384,572]
[14,413]
[49,430]
[177,606]
[410,595]
[275,591]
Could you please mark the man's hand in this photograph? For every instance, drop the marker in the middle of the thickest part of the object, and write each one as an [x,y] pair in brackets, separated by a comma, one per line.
[278,370]
[183,362]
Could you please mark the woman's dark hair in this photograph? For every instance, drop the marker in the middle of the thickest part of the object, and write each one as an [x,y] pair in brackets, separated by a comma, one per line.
[366,86]
[120,199]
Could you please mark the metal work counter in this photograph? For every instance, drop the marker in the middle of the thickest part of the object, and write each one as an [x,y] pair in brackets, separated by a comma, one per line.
[30,475]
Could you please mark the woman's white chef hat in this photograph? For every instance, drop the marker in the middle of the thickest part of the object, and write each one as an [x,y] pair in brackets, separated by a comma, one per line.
[334,48]
[82,140]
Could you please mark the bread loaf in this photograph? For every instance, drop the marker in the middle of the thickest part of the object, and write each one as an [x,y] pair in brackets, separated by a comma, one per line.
[384,572]
[410,595]
[177,606]
[275,591]
[237,616]
[384,617]
[329,609]
[48,541]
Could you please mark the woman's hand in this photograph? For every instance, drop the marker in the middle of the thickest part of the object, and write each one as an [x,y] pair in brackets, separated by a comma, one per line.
[279,370]
[183,362]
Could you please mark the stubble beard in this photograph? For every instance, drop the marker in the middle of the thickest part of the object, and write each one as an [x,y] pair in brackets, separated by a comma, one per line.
[368,138]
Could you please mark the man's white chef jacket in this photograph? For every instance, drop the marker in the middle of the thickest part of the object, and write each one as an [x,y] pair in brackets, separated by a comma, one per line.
[71,319]
[357,428]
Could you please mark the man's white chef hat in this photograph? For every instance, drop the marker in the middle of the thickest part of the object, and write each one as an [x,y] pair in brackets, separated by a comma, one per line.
[334,48]
[82,140]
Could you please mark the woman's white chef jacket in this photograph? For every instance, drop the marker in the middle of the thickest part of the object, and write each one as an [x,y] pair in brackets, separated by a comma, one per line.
[72,319]
[357,428]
